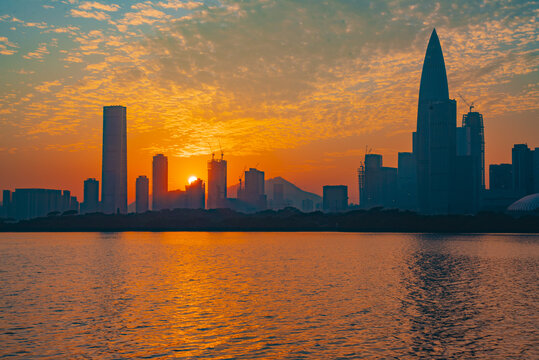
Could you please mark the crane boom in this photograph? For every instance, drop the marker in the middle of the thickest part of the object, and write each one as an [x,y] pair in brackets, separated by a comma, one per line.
[471,106]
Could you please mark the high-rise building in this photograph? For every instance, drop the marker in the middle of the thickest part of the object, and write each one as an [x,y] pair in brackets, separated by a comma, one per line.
[254,191]
[195,195]
[217,184]
[31,203]
[535,170]
[500,177]
[7,204]
[66,200]
[90,203]
[379,183]
[474,121]
[278,201]
[114,172]
[142,194]
[159,182]
[407,181]
[469,181]
[435,139]
[522,170]
[335,198]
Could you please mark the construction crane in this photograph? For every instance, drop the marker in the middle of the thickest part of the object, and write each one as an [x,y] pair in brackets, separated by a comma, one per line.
[368,149]
[241,178]
[471,106]
[221,149]
[211,150]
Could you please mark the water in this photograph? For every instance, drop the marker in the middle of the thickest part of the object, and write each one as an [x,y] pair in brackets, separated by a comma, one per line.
[268,295]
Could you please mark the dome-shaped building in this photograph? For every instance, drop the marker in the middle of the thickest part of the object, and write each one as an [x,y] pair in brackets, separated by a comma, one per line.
[528,203]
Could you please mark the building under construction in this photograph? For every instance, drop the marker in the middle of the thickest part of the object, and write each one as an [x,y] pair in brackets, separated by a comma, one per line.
[217,183]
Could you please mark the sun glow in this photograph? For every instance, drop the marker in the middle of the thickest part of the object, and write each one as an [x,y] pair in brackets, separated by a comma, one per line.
[191,179]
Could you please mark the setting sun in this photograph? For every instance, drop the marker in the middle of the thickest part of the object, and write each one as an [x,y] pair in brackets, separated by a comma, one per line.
[191,179]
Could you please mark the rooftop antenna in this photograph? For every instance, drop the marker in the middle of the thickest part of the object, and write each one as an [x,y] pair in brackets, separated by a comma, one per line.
[221,149]
[463,99]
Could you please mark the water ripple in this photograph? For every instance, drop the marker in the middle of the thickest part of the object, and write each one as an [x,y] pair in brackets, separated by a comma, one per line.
[268,295]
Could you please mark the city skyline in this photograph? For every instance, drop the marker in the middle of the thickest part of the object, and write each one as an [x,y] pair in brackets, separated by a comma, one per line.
[311,127]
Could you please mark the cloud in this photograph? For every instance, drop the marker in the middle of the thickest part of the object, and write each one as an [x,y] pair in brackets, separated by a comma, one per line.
[97,15]
[39,53]
[178,4]
[90,5]
[39,25]
[46,86]
[263,75]
[25,72]
[7,47]
[146,14]
[64,30]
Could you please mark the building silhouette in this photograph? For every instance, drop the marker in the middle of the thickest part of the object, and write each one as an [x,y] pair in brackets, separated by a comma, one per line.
[7,208]
[32,203]
[535,164]
[407,181]
[435,138]
[253,192]
[380,183]
[307,205]
[217,183]
[195,195]
[176,199]
[523,181]
[159,182]
[335,198]
[114,171]
[90,202]
[278,200]
[142,194]
[469,177]
[475,136]
[501,177]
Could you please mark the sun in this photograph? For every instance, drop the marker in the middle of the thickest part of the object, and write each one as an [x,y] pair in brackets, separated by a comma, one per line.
[191,179]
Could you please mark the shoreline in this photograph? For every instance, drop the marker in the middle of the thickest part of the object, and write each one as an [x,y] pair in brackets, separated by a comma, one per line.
[286,220]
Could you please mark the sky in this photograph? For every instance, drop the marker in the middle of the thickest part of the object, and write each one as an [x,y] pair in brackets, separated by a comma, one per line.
[299,89]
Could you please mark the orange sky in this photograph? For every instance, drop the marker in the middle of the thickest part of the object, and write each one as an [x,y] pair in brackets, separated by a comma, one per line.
[298,89]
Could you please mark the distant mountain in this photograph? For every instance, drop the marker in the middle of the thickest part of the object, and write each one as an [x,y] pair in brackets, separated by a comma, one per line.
[292,195]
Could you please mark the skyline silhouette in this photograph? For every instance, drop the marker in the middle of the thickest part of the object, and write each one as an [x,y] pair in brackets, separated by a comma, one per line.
[444,173]
[315,94]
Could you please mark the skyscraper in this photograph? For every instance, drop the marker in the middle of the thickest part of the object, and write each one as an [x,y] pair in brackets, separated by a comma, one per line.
[217,183]
[91,196]
[142,194]
[500,177]
[522,158]
[335,198]
[470,163]
[407,181]
[6,203]
[159,182]
[254,192]
[435,139]
[114,172]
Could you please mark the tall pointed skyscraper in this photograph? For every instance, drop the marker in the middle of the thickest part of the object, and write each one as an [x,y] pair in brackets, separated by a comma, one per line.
[114,171]
[435,140]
